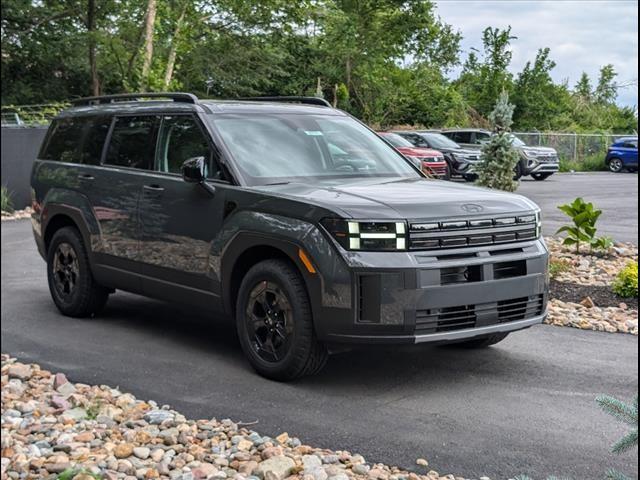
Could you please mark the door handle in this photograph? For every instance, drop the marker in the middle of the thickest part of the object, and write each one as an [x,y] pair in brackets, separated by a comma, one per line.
[86,177]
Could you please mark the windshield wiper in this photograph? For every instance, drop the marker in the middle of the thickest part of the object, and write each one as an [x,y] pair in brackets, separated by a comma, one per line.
[275,183]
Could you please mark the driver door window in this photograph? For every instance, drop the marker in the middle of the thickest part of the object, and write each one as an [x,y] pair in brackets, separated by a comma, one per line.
[182,138]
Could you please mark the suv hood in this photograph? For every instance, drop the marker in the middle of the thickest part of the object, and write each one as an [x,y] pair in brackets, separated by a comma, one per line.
[419,152]
[411,199]
[540,150]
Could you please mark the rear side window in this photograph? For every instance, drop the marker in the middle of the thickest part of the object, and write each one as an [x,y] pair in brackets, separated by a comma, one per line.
[64,139]
[96,132]
[461,137]
[132,142]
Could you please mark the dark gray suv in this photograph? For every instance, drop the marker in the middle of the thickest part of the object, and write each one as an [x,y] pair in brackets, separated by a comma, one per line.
[290,218]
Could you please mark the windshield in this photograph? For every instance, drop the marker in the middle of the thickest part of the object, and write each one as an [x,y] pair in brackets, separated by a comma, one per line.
[276,148]
[396,140]
[437,140]
[517,142]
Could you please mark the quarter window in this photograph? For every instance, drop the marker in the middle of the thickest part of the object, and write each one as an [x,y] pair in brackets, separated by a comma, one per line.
[181,138]
[95,136]
[64,140]
[132,142]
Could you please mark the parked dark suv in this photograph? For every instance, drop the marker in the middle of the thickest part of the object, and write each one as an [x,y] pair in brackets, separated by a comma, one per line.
[291,218]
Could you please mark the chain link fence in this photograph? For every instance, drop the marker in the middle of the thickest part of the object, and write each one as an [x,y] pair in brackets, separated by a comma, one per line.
[30,115]
[572,146]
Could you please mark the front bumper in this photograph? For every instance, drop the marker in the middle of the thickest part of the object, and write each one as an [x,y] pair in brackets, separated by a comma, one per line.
[545,167]
[443,296]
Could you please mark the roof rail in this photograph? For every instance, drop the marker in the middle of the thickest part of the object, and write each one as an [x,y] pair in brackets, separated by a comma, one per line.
[299,99]
[123,97]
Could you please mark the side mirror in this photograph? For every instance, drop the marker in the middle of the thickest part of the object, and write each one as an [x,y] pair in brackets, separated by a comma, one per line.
[194,170]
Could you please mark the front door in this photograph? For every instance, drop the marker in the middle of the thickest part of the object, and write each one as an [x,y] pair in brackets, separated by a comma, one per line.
[179,220]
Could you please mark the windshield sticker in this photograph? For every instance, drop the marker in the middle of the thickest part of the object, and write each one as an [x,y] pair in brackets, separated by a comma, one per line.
[314,133]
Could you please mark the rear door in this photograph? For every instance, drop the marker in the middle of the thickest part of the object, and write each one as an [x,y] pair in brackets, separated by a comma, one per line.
[114,190]
[179,220]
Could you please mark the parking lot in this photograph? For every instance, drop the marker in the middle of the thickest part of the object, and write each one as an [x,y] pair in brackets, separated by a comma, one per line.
[615,194]
[467,412]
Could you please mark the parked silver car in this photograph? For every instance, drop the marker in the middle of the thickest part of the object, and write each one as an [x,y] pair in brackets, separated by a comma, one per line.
[539,162]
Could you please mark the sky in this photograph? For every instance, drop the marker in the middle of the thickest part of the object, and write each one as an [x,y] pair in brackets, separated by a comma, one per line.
[583,35]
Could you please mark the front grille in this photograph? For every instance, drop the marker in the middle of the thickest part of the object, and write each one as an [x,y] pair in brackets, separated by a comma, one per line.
[474,232]
[519,308]
[467,316]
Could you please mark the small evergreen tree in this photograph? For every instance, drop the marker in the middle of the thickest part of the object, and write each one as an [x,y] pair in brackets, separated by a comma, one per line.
[626,413]
[499,157]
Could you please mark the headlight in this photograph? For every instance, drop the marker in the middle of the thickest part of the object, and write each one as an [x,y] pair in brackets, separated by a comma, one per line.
[417,161]
[538,223]
[368,235]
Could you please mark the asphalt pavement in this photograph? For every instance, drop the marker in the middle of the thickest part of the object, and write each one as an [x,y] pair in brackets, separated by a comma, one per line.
[523,406]
[616,194]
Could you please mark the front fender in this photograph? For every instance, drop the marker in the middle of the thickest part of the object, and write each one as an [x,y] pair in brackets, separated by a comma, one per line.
[329,287]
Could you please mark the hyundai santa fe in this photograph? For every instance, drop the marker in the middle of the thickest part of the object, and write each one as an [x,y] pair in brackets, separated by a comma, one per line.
[288,217]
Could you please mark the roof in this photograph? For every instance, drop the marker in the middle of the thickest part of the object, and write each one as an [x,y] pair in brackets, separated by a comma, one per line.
[467,129]
[184,103]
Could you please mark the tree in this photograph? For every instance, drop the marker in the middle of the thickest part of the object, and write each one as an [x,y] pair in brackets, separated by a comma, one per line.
[583,88]
[538,101]
[499,158]
[606,90]
[481,81]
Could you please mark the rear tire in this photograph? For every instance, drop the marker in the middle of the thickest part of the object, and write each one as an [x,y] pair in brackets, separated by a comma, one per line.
[540,176]
[616,165]
[275,324]
[483,342]
[71,283]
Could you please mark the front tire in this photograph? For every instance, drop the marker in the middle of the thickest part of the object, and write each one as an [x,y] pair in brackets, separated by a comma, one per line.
[540,176]
[275,324]
[616,165]
[71,283]
[470,177]
[483,342]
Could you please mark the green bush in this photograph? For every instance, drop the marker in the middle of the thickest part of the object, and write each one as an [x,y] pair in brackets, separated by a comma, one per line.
[7,204]
[626,282]
[590,163]
[584,216]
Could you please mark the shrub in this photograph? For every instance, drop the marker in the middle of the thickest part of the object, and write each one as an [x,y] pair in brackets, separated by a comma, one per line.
[584,216]
[499,157]
[590,163]
[626,282]
[7,204]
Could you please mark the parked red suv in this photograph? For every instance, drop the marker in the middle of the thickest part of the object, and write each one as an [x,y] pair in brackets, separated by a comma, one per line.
[430,161]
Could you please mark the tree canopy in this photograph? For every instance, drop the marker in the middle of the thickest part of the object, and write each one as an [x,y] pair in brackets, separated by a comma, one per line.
[388,62]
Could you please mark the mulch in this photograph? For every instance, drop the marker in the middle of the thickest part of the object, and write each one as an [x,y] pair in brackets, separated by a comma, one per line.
[601,296]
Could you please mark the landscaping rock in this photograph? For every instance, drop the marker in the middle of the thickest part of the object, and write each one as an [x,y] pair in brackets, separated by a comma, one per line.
[44,434]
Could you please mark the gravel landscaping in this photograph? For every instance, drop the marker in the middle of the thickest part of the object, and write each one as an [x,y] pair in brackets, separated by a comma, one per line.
[17,214]
[52,427]
[581,294]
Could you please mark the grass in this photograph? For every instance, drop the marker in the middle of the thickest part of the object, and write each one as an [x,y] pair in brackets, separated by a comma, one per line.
[7,204]
[590,163]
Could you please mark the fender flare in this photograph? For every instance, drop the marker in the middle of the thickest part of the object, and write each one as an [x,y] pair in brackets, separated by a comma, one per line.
[244,241]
